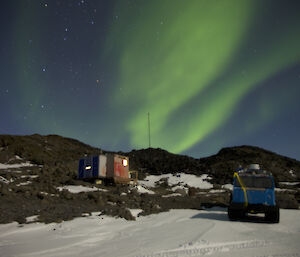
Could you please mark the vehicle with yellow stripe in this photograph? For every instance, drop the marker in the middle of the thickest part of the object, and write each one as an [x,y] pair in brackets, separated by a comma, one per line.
[253,192]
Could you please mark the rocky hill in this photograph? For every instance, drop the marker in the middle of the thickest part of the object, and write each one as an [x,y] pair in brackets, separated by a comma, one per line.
[44,150]
[220,166]
[226,160]
[35,170]
[53,150]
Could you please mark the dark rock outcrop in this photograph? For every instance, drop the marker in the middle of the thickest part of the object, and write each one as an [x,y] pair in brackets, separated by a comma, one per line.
[34,190]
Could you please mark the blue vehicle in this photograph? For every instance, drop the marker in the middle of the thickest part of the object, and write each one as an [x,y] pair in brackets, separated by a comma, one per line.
[253,192]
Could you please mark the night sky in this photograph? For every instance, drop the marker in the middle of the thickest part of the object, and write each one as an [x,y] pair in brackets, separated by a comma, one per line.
[211,73]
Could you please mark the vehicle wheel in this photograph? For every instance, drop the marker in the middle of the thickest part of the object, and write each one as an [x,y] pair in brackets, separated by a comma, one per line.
[273,215]
[233,214]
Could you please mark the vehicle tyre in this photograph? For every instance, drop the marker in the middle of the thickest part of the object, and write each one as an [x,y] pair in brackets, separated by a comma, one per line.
[273,215]
[233,214]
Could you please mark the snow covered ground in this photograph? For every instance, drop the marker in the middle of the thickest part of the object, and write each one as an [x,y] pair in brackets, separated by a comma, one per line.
[78,188]
[181,179]
[175,233]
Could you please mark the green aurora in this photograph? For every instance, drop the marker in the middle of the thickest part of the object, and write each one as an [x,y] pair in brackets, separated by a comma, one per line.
[191,66]
[196,46]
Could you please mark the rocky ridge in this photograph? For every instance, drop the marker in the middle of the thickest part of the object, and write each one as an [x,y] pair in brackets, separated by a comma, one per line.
[37,169]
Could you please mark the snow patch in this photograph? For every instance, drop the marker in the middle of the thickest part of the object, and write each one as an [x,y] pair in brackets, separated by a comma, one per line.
[179,179]
[24,183]
[135,212]
[143,190]
[13,166]
[285,190]
[4,180]
[32,218]
[292,173]
[14,171]
[177,188]
[216,191]
[29,176]
[228,186]
[78,189]
[45,193]
[85,214]
[172,195]
[290,183]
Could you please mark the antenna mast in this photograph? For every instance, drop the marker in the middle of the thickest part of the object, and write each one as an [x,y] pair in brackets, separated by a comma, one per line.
[149,129]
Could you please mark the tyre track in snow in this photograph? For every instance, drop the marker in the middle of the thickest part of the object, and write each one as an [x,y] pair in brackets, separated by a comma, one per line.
[281,255]
[214,248]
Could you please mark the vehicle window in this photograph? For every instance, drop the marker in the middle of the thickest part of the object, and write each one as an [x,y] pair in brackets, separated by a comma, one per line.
[255,182]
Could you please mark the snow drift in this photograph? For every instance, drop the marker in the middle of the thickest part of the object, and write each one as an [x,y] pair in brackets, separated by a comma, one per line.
[174,233]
